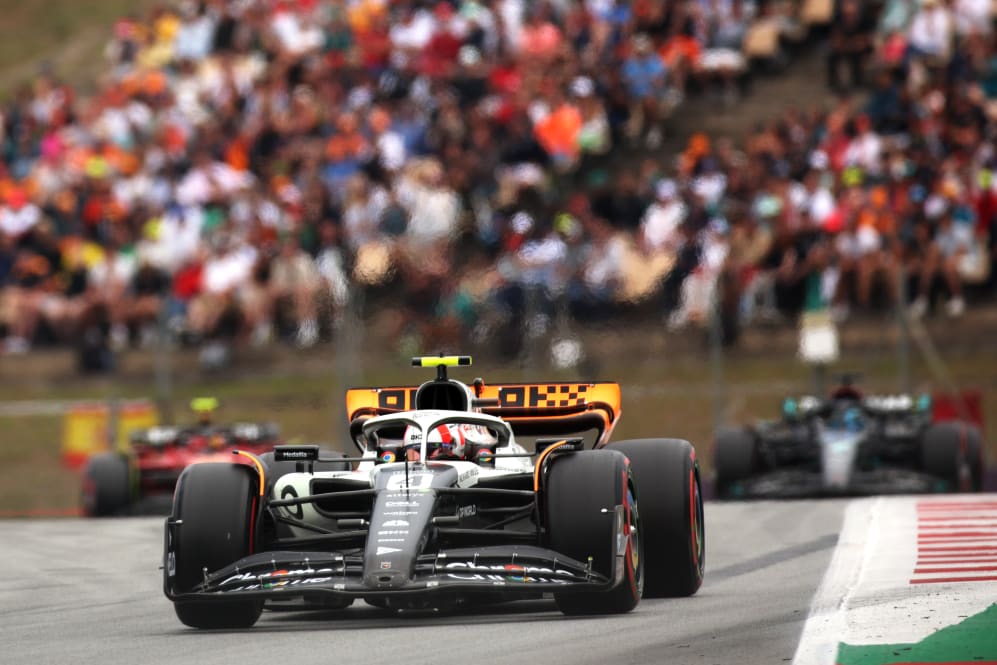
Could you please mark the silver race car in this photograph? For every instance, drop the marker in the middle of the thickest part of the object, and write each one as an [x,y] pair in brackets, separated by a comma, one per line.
[445,506]
[849,444]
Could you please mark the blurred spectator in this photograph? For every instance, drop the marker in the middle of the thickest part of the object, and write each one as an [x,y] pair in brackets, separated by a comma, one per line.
[646,77]
[930,33]
[243,167]
[938,257]
[295,282]
[851,44]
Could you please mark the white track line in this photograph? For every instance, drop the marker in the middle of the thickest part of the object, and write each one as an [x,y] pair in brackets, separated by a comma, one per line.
[895,578]
[826,623]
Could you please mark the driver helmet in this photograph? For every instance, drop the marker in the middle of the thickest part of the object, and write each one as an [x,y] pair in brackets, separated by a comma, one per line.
[480,443]
[443,442]
[205,408]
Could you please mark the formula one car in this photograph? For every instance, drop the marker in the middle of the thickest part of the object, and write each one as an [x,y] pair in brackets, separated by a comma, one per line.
[849,444]
[445,507]
[118,482]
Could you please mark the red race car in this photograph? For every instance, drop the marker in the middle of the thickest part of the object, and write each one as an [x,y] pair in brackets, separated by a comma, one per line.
[117,482]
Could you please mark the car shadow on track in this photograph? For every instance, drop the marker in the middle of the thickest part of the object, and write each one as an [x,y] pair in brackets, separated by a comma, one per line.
[366,617]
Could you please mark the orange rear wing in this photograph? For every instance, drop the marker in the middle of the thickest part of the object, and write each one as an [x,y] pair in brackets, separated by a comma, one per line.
[531,409]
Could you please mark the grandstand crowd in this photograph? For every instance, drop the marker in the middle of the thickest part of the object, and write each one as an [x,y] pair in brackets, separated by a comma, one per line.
[246,167]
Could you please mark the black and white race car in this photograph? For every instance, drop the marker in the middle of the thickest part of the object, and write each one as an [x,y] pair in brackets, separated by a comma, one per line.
[849,444]
[444,507]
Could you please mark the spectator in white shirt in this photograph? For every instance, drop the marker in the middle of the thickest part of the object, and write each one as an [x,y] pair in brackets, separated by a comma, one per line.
[659,230]
[930,31]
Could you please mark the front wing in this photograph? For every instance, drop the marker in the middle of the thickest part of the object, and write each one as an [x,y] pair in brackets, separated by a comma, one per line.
[795,483]
[511,570]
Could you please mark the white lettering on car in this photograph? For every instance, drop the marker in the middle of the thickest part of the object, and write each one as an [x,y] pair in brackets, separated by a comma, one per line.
[505,573]
[276,579]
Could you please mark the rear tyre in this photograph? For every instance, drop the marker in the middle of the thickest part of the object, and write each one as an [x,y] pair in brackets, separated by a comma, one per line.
[671,509]
[735,459]
[217,504]
[582,492]
[974,441]
[106,485]
[953,452]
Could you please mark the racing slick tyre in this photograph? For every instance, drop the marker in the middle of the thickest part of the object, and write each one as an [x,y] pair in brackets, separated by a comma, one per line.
[735,459]
[953,452]
[671,510]
[582,490]
[106,485]
[215,505]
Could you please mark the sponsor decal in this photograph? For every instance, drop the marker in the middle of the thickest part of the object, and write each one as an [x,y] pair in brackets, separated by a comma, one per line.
[276,579]
[171,564]
[400,512]
[385,565]
[468,475]
[386,550]
[295,511]
[504,573]
[391,540]
[466,511]
[400,504]
[396,398]
[393,532]
[295,454]
[395,523]
[568,394]
[388,456]
[397,480]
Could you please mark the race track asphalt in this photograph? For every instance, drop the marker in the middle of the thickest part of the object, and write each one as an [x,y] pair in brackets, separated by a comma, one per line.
[89,591]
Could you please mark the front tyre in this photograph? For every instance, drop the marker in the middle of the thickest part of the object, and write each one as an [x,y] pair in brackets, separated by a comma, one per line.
[106,485]
[735,458]
[953,452]
[215,505]
[671,508]
[582,492]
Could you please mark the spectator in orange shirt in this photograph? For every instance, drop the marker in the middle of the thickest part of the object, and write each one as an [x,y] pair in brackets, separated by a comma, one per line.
[558,131]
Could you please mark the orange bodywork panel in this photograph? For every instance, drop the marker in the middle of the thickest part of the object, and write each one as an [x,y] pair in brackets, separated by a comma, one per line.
[530,408]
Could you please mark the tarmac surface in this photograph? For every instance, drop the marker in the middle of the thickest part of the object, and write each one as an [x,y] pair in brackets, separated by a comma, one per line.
[90,591]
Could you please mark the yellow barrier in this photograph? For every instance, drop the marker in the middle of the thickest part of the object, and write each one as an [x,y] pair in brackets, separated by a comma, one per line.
[85,432]
[133,416]
[90,428]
